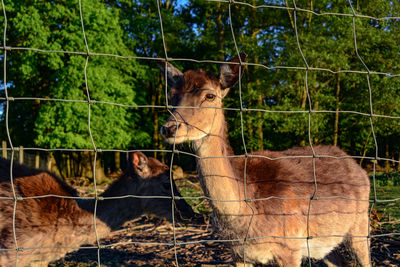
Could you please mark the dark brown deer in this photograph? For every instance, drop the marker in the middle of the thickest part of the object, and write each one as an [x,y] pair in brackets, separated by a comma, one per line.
[276,210]
[55,222]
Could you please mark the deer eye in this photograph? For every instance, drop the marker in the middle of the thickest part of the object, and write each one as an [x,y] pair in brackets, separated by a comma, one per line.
[170,96]
[210,97]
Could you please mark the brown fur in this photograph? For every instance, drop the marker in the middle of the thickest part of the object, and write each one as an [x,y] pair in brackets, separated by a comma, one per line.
[311,220]
[56,222]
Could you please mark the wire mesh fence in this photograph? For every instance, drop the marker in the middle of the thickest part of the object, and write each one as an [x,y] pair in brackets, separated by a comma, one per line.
[249,200]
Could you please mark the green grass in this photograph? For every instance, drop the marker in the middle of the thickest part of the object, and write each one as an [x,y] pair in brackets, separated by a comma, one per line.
[190,187]
[387,179]
[386,215]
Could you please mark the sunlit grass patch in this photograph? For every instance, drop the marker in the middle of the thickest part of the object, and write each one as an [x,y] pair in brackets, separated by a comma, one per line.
[386,215]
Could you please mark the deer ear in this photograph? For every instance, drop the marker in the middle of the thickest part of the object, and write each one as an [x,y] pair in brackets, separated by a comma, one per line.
[229,73]
[174,76]
[139,161]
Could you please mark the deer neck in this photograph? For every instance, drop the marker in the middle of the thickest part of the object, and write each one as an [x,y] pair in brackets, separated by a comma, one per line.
[217,175]
[113,212]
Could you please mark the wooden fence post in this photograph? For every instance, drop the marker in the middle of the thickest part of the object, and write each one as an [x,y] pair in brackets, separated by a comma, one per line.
[21,154]
[37,159]
[117,160]
[4,144]
[49,159]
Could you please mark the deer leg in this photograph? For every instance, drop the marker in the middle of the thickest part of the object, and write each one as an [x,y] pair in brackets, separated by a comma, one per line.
[289,258]
[360,247]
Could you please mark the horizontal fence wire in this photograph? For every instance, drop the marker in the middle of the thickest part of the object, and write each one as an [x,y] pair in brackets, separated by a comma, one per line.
[174,151]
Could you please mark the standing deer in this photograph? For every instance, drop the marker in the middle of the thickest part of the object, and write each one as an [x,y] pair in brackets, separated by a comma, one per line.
[274,208]
[61,225]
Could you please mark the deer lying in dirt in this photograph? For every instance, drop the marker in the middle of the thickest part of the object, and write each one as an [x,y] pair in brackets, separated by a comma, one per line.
[312,222]
[56,223]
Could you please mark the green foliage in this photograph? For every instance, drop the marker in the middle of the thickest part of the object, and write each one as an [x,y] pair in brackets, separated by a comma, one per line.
[387,179]
[327,42]
[53,124]
[275,81]
[387,213]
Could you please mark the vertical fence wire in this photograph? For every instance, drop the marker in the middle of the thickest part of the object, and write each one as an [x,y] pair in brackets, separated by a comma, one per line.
[89,101]
[309,132]
[15,198]
[368,242]
[242,109]
[174,143]
[247,199]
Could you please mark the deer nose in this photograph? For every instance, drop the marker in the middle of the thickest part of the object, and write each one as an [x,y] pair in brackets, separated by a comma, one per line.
[169,131]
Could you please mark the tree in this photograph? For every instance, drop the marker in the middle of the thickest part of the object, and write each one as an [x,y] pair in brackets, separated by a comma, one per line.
[56,124]
[202,30]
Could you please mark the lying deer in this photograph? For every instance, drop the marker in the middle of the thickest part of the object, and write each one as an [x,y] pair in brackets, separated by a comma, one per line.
[274,208]
[61,224]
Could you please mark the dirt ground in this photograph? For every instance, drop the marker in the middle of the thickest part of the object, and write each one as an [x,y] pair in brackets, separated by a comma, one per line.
[136,245]
[146,233]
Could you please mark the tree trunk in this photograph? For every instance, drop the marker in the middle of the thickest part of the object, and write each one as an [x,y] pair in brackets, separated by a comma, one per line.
[250,130]
[220,32]
[316,131]
[387,154]
[158,142]
[336,126]
[303,102]
[365,148]
[290,14]
[68,166]
[259,115]
[4,145]
[117,159]
[87,165]
[154,113]
[260,122]
[398,164]
[52,165]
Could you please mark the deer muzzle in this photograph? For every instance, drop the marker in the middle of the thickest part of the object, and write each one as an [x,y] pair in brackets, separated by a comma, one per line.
[168,130]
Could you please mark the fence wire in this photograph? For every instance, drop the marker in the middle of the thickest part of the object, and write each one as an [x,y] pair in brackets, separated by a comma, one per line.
[165,59]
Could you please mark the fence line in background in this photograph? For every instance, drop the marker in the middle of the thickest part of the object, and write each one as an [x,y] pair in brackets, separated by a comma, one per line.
[35,160]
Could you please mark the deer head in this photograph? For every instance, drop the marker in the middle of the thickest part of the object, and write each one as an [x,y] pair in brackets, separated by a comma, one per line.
[149,179]
[197,99]
[154,178]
